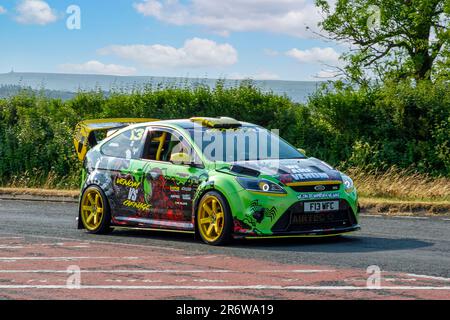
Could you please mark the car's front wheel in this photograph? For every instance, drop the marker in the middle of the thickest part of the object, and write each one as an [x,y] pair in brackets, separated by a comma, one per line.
[94,211]
[214,220]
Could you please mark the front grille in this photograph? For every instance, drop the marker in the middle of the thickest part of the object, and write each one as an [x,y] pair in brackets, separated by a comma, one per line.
[313,188]
[295,219]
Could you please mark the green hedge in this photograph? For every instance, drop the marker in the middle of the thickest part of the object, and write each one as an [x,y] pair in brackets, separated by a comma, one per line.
[400,124]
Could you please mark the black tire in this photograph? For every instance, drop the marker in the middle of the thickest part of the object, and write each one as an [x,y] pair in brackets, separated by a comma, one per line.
[226,236]
[105,223]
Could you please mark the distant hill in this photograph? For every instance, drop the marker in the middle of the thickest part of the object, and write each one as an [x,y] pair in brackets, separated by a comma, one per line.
[63,85]
[12,90]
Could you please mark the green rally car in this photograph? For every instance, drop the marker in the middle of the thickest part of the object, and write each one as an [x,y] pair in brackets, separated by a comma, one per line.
[217,178]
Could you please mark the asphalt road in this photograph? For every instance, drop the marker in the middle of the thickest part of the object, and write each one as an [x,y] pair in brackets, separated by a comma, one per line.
[396,245]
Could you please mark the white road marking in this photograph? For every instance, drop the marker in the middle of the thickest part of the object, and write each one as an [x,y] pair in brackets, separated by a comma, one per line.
[86,246]
[401,217]
[428,277]
[396,280]
[384,279]
[219,288]
[64,258]
[371,215]
[53,245]
[98,241]
[295,271]
[120,271]
[142,271]
[415,278]
[11,247]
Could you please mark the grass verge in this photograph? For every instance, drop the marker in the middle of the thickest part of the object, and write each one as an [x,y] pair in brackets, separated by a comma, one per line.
[44,193]
[395,207]
[369,205]
[401,185]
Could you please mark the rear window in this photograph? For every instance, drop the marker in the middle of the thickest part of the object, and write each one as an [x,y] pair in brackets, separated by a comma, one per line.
[127,145]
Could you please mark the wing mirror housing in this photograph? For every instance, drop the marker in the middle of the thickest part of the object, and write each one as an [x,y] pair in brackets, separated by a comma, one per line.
[183,158]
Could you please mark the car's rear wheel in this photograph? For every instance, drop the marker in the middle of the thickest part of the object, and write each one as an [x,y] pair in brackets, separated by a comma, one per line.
[214,219]
[94,211]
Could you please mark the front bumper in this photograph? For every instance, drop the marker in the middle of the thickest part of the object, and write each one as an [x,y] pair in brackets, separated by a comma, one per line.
[302,234]
[295,222]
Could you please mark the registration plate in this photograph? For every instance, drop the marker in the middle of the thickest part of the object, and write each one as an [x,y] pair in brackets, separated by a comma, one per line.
[321,206]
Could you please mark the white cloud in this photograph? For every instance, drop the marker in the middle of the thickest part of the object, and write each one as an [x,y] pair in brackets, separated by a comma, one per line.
[2,10]
[315,55]
[291,17]
[96,67]
[194,53]
[257,76]
[327,74]
[35,12]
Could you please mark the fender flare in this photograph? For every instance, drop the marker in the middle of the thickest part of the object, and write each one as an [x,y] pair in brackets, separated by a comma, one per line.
[196,202]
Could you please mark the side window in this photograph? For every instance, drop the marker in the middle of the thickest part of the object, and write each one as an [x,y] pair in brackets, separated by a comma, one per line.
[157,145]
[168,146]
[127,145]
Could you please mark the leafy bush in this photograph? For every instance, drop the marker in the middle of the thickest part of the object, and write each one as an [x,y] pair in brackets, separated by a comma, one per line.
[399,124]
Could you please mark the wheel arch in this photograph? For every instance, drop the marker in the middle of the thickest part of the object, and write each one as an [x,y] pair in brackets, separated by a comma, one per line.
[87,186]
[197,202]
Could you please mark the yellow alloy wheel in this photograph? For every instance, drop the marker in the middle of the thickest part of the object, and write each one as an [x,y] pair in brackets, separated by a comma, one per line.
[211,218]
[92,209]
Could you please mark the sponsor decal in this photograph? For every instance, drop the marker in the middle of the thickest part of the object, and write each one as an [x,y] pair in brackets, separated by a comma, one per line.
[310,176]
[257,211]
[180,203]
[186,197]
[307,196]
[271,213]
[299,173]
[137,134]
[314,218]
[242,227]
[174,189]
[127,183]
[133,194]
[137,205]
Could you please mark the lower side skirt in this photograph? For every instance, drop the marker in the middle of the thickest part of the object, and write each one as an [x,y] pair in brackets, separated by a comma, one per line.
[152,229]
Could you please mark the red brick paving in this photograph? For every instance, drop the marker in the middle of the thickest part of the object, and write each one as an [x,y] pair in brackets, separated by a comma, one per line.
[139,272]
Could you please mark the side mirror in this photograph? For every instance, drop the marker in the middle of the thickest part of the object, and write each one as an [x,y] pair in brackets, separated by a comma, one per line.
[302,151]
[181,158]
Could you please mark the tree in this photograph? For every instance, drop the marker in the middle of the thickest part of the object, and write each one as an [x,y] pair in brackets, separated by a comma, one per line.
[396,39]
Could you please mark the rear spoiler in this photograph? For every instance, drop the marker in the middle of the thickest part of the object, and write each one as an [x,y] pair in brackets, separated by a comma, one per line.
[85,137]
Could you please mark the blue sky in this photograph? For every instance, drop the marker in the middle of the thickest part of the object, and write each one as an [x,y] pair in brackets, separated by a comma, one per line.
[261,39]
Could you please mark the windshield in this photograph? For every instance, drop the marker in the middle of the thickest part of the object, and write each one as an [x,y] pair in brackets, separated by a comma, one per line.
[245,143]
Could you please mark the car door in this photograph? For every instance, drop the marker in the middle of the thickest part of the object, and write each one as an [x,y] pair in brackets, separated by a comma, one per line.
[171,181]
[122,155]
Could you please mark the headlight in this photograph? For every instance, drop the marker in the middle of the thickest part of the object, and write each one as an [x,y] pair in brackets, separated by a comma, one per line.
[348,183]
[260,185]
